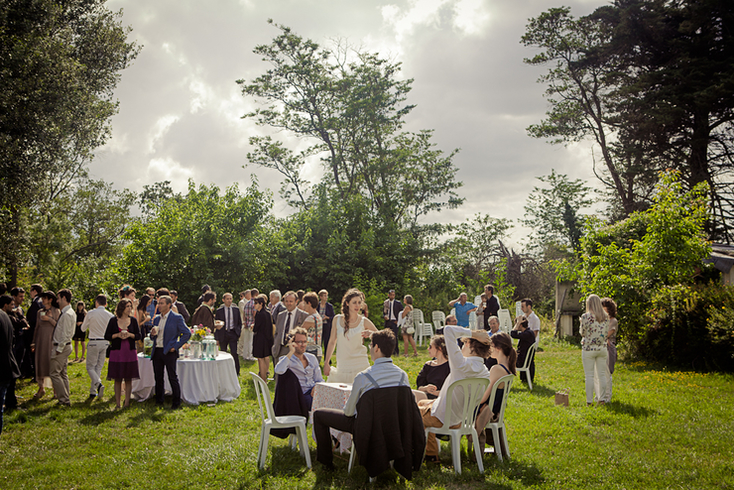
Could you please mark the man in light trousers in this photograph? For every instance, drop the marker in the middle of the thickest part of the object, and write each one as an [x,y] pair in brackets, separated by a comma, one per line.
[62,348]
[96,323]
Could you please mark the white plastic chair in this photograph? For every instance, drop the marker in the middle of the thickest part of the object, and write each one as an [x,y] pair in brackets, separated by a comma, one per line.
[439,319]
[422,329]
[473,320]
[473,390]
[505,320]
[499,432]
[526,366]
[273,422]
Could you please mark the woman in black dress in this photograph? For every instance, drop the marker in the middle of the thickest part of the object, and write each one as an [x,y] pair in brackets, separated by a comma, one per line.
[262,340]
[122,332]
[434,373]
[79,336]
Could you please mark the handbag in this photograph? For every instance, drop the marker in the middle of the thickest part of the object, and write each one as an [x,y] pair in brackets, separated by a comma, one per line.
[410,330]
[562,396]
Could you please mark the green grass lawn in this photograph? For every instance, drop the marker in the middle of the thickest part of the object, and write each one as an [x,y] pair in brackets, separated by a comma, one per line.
[663,429]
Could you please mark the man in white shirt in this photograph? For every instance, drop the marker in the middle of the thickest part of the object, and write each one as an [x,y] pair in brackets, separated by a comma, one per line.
[244,299]
[304,365]
[382,374]
[526,305]
[96,323]
[62,348]
[467,362]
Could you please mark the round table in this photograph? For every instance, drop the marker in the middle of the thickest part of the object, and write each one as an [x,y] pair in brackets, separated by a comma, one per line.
[201,381]
[332,395]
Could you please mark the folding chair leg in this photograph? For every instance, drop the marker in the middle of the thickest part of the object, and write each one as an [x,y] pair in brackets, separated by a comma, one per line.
[497,443]
[352,455]
[303,442]
[264,438]
[456,453]
[530,381]
[477,451]
[505,444]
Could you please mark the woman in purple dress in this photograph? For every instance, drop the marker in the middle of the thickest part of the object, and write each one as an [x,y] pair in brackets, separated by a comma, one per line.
[122,332]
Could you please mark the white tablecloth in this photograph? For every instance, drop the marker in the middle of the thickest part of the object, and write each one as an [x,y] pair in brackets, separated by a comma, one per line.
[333,395]
[201,381]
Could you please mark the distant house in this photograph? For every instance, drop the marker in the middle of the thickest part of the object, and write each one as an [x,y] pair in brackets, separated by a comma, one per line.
[722,256]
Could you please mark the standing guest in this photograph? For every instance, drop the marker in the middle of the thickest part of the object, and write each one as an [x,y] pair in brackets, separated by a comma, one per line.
[288,319]
[42,339]
[62,335]
[249,321]
[180,307]
[262,336]
[407,322]
[300,293]
[245,297]
[204,289]
[526,305]
[275,306]
[364,310]
[348,339]
[463,309]
[141,313]
[17,324]
[21,327]
[391,308]
[231,328]
[3,288]
[122,332]
[313,324]
[526,338]
[610,307]
[9,370]
[382,374]
[492,307]
[28,368]
[301,363]
[434,372]
[594,329]
[96,324]
[204,314]
[128,292]
[467,362]
[494,329]
[480,311]
[79,335]
[151,310]
[169,333]
[326,310]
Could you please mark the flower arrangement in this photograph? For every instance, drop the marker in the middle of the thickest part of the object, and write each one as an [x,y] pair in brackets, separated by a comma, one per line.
[198,333]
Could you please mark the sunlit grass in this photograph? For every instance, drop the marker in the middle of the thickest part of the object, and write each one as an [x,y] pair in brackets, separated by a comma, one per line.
[663,429]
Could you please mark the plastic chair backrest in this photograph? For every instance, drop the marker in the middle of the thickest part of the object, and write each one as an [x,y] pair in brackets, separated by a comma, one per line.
[417,318]
[507,380]
[529,357]
[439,319]
[478,300]
[263,397]
[472,389]
[505,320]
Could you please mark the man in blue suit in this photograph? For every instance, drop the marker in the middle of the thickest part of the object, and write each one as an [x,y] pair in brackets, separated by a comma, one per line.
[169,333]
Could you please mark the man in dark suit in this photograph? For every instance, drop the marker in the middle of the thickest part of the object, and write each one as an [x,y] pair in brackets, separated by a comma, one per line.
[229,334]
[9,370]
[203,314]
[180,307]
[288,319]
[28,367]
[326,310]
[391,312]
[526,338]
[168,334]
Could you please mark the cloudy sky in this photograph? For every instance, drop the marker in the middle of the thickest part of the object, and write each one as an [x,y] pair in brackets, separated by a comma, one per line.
[180,108]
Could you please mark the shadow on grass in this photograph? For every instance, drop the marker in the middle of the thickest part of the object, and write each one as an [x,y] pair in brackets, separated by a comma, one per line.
[538,390]
[627,409]
[514,470]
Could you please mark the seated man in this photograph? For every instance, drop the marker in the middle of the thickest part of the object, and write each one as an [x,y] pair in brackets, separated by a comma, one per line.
[494,327]
[304,365]
[467,362]
[382,374]
[526,336]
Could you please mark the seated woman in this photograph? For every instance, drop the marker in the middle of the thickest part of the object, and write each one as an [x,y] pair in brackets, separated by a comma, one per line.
[347,335]
[434,372]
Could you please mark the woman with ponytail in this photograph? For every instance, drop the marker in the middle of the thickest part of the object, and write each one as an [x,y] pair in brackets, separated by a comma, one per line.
[500,349]
[348,332]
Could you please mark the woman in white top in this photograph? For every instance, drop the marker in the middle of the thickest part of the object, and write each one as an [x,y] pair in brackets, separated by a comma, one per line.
[594,328]
[347,334]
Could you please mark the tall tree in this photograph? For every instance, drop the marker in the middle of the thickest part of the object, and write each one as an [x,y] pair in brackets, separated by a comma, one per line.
[651,82]
[59,64]
[352,106]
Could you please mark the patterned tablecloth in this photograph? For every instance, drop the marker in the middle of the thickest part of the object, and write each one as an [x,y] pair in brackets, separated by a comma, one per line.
[333,395]
[201,381]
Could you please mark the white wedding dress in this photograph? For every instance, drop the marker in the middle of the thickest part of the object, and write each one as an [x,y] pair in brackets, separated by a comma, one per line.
[351,354]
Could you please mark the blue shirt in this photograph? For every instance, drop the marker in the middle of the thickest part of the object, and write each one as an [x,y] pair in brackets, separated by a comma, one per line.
[384,372]
[307,376]
[462,315]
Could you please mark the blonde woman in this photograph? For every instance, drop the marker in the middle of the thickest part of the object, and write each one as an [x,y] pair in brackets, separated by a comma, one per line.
[594,329]
[347,335]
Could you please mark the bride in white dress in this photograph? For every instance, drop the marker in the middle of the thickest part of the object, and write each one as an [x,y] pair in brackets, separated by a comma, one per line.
[350,330]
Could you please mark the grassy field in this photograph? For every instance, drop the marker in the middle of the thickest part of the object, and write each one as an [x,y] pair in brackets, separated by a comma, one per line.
[663,429]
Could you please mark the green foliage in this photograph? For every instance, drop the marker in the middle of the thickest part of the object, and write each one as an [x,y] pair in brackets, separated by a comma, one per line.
[692,326]
[59,65]
[631,260]
[350,106]
[203,237]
